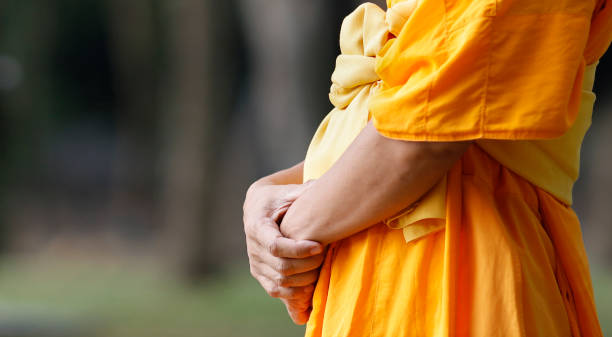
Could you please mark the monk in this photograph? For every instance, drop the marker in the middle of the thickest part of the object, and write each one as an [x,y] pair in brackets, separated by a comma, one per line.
[435,199]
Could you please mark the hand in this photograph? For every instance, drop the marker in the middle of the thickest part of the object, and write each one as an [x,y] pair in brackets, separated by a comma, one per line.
[285,268]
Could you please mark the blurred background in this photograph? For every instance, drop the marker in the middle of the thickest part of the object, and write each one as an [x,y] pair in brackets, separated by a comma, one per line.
[129,133]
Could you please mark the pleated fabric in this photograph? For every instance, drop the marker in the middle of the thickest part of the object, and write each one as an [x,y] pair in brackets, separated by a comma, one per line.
[510,262]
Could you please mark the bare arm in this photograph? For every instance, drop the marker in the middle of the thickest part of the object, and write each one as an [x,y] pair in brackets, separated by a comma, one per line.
[374,179]
[292,175]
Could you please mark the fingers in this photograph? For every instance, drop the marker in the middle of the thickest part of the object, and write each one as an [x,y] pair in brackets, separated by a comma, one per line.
[299,317]
[288,281]
[280,276]
[276,291]
[299,304]
[268,236]
[289,195]
[279,213]
[299,311]
[264,232]
[288,267]
[285,268]
[299,280]
[280,287]
[296,249]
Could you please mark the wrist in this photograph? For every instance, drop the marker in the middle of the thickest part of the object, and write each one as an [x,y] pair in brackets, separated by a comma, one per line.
[259,183]
[299,225]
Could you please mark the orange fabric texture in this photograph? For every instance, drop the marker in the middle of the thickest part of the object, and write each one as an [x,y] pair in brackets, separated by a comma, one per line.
[364,33]
[509,263]
[601,32]
[509,69]
[507,257]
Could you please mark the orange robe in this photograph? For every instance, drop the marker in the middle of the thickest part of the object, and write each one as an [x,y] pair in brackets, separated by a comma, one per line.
[508,257]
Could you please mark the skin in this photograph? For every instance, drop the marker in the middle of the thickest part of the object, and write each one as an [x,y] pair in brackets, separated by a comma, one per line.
[285,268]
[374,179]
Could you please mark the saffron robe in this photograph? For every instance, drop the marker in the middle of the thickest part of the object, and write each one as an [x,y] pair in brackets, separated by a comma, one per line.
[494,249]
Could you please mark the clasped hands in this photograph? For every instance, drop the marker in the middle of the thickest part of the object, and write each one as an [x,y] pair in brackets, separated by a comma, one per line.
[287,269]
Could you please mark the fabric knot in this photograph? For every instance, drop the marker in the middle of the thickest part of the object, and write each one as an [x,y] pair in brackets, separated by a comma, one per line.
[363,34]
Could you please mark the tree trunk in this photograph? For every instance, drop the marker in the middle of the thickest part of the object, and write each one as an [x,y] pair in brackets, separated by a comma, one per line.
[133,48]
[187,137]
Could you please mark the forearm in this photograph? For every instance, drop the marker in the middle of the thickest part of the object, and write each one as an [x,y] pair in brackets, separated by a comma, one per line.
[374,179]
[292,175]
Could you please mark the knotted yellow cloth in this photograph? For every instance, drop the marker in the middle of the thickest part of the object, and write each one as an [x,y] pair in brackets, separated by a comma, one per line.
[363,35]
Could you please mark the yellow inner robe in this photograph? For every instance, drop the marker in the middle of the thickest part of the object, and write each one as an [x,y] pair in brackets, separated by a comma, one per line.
[494,248]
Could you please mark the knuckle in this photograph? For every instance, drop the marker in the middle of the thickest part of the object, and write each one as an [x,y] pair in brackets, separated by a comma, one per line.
[252,258]
[285,268]
[273,248]
[250,235]
[248,228]
[283,281]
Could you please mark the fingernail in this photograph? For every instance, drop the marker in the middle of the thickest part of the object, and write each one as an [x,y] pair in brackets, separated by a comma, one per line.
[316,250]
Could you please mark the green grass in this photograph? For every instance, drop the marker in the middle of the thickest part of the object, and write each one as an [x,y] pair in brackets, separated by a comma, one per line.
[117,302]
[113,301]
[602,284]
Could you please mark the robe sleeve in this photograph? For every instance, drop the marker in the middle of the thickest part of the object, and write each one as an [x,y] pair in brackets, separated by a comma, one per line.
[601,32]
[495,69]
